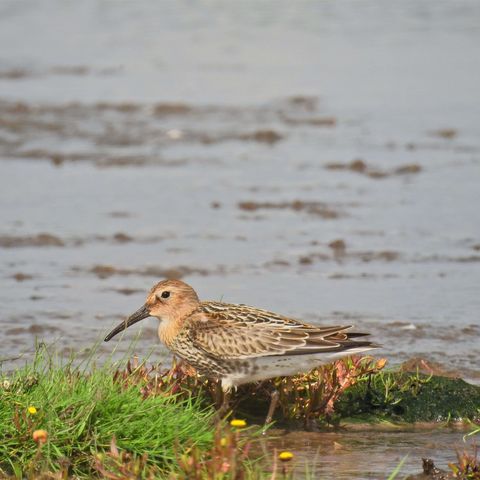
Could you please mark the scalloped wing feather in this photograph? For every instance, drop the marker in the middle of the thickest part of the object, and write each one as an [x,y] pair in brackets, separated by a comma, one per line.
[238,331]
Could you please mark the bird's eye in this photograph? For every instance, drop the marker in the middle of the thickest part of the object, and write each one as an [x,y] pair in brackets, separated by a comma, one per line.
[165,294]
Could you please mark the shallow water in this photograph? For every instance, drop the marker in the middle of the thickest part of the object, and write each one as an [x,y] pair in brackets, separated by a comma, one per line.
[321,161]
[364,454]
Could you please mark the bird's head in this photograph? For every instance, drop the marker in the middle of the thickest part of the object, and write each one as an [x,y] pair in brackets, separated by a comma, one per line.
[167,300]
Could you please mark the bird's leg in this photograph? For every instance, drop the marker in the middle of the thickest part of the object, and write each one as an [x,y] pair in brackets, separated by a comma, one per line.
[221,412]
[274,396]
[218,395]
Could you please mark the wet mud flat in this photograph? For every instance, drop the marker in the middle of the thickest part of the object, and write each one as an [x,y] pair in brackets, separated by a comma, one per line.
[245,202]
[335,180]
[327,229]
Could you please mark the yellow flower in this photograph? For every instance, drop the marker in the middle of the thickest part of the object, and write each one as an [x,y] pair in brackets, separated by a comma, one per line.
[285,456]
[32,410]
[223,441]
[238,423]
[40,436]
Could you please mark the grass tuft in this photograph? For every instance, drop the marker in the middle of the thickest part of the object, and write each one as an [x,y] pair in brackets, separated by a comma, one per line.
[81,412]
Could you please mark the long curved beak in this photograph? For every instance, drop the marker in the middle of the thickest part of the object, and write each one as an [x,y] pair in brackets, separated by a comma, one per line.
[140,314]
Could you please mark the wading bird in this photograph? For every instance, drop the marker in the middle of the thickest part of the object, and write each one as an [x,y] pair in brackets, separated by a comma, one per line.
[238,344]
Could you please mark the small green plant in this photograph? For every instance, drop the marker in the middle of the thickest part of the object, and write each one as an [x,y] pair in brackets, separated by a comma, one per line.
[311,396]
[314,395]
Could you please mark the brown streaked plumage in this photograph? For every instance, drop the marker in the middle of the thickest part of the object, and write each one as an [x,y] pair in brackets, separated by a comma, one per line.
[236,343]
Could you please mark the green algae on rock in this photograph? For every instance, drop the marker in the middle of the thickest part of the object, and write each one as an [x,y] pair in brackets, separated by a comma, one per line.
[411,397]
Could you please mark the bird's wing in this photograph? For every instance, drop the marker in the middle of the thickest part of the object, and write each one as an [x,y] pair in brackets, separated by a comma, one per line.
[239,331]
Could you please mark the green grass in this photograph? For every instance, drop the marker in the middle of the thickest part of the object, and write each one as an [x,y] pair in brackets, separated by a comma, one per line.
[82,408]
